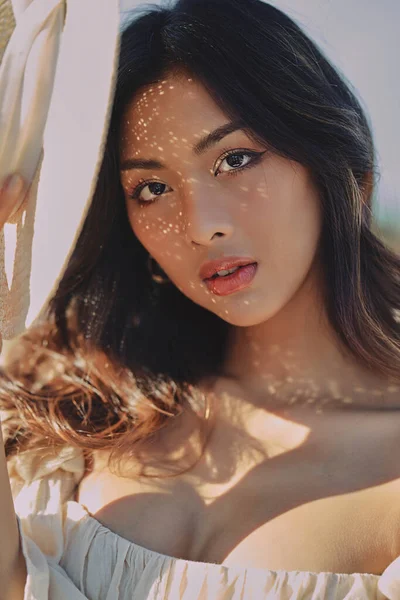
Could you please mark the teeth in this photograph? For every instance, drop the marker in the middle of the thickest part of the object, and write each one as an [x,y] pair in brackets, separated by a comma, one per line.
[226,272]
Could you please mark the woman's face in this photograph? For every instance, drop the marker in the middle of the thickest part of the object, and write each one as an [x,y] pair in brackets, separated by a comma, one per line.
[232,197]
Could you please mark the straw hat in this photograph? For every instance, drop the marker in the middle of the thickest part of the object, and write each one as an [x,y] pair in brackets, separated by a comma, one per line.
[57,80]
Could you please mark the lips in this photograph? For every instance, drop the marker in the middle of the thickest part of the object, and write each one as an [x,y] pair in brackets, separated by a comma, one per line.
[237,281]
[210,268]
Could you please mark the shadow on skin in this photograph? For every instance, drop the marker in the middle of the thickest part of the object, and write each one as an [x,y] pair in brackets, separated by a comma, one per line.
[347,454]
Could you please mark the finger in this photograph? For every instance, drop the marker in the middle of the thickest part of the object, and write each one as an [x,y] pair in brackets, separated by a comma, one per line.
[11,194]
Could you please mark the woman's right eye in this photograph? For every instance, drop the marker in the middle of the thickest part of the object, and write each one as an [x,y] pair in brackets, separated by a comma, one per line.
[156,190]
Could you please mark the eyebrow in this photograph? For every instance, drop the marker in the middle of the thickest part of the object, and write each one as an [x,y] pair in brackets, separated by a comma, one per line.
[204,144]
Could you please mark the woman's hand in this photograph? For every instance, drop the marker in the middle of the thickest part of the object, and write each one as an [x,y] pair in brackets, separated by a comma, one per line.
[12,194]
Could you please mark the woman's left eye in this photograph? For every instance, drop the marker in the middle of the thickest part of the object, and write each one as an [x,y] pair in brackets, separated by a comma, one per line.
[238,160]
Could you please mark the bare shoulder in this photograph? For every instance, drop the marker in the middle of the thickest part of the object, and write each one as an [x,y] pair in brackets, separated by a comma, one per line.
[391,500]
[386,460]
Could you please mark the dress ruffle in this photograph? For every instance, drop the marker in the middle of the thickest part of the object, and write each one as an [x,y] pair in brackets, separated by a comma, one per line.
[70,554]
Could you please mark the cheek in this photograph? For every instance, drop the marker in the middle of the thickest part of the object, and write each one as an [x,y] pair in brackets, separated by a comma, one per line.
[165,241]
[287,207]
[295,246]
[161,235]
[150,226]
[287,231]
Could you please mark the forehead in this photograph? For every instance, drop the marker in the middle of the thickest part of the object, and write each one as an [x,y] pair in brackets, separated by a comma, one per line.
[176,111]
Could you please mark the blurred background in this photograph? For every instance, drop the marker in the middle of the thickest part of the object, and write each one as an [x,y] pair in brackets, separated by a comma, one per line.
[362,40]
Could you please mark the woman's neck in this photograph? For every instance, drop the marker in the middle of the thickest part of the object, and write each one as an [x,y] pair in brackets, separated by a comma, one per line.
[296,356]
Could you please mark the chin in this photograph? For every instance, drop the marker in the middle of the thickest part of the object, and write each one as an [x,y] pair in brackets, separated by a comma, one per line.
[245,315]
[241,309]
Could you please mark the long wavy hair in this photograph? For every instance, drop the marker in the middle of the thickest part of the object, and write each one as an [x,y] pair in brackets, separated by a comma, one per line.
[118,357]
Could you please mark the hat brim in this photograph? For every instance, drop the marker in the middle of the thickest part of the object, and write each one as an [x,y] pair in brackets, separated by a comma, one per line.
[59,104]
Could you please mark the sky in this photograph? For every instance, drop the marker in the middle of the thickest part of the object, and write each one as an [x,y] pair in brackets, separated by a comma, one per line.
[362,39]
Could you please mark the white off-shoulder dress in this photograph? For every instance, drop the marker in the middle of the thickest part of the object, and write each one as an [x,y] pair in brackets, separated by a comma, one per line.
[72,556]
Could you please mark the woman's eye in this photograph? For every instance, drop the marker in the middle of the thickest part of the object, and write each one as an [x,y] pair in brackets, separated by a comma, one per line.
[148,190]
[237,161]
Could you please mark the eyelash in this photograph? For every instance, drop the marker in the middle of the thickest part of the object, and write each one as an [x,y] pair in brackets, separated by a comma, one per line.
[255,158]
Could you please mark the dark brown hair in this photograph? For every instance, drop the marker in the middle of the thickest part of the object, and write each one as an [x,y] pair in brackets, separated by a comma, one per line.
[118,356]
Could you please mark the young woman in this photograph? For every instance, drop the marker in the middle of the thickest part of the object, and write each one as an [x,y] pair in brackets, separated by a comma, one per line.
[211,407]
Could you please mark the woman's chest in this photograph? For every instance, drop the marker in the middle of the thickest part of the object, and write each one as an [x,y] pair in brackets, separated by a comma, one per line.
[256,521]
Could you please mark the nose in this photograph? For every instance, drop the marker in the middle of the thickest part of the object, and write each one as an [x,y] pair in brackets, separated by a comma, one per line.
[207,213]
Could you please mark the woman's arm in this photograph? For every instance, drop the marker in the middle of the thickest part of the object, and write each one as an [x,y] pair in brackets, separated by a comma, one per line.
[12,561]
